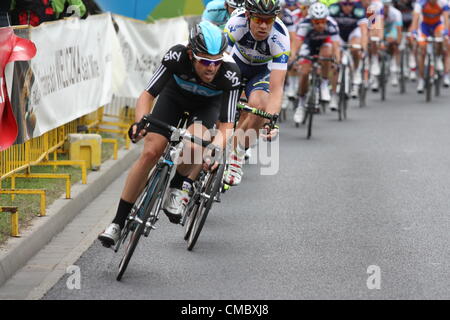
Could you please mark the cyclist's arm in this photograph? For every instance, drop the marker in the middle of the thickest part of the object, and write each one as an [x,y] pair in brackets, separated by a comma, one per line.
[446,21]
[144,105]
[225,131]
[415,19]
[276,90]
[399,34]
[296,45]
[337,50]
[364,36]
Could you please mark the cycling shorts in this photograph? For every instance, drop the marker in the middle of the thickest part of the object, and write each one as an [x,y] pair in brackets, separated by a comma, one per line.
[171,105]
[427,30]
[308,50]
[356,33]
[256,77]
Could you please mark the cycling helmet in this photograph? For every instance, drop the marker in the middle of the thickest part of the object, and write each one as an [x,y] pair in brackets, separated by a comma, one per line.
[318,11]
[387,2]
[206,37]
[266,7]
[306,2]
[290,3]
[235,3]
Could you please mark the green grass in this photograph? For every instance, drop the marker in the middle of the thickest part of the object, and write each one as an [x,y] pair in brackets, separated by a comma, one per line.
[176,8]
[29,205]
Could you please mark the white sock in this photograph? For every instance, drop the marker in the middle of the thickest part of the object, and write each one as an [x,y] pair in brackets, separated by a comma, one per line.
[240,150]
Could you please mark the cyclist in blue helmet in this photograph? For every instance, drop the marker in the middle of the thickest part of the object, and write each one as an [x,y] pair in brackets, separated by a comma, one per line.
[219,11]
[196,79]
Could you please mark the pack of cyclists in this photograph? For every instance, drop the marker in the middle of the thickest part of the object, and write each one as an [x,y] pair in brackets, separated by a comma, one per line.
[256,49]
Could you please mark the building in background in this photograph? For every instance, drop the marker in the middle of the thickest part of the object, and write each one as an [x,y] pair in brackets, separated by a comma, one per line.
[151,10]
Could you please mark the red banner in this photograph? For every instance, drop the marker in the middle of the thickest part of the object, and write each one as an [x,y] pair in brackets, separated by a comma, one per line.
[12,48]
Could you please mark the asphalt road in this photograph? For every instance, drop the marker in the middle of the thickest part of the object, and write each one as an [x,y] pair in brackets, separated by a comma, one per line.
[369,191]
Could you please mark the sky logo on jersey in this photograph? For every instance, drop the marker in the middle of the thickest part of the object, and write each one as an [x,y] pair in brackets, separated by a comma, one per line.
[196,88]
[172,55]
[232,76]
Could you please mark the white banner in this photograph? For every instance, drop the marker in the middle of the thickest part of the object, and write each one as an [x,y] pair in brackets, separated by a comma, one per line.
[143,46]
[72,70]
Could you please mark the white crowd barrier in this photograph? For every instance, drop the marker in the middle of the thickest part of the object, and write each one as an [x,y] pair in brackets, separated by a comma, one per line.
[81,65]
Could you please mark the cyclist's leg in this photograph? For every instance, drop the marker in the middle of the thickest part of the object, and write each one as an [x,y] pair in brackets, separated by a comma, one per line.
[355,39]
[154,144]
[326,51]
[447,63]
[247,132]
[304,71]
[201,119]
[421,51]
[438,32]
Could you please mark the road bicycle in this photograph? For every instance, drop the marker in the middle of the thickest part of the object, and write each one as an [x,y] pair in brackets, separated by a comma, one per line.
[145,212]
[313,98]
[346,70]
[432,75]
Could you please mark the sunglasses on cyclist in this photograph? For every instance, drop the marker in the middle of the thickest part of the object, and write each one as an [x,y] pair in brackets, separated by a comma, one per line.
[318,21]
[347,3]
[259,20]
[207,62]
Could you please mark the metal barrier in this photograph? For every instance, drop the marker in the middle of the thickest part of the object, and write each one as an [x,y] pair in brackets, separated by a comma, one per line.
[17,161]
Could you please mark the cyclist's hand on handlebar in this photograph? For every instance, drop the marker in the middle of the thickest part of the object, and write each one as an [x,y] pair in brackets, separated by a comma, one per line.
[133,133]
[268,133]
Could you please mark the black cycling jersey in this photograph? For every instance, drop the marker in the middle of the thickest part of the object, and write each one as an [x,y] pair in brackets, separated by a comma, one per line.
[176,71]
[406,7]
[316,39]
[347,23]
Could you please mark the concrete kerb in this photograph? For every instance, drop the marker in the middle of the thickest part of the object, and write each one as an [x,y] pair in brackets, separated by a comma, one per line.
[18,251]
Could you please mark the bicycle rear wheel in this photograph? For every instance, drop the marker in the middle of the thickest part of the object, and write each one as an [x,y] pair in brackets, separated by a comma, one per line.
[437,84]
[383,78]
[342,94]
[211,189]
[428,79]
[402,71]
[309,120]
[158,183]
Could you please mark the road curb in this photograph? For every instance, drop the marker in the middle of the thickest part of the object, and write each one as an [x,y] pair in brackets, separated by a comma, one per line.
[18,251]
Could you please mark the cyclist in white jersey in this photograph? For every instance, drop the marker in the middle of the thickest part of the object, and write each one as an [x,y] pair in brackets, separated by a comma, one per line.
[294,12]
[257,38]
[393,26]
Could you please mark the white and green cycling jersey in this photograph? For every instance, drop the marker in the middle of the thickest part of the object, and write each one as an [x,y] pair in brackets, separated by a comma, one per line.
[243,46]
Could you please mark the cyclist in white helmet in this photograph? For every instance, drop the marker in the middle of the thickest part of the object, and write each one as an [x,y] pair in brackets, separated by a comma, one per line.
[318,34]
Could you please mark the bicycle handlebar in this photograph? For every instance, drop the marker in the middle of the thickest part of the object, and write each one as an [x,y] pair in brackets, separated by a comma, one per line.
[257,112]
[147,120]
[352,46]
[315,58]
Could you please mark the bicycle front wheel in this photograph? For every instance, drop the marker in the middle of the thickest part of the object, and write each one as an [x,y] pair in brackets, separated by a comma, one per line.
[212,188]
[158,185]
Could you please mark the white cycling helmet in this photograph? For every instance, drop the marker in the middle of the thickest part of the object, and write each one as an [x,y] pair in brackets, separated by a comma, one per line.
[387,2]
[306,2]
[318,11]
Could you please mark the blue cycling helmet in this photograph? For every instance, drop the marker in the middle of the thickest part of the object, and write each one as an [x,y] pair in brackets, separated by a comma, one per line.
[207,38]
